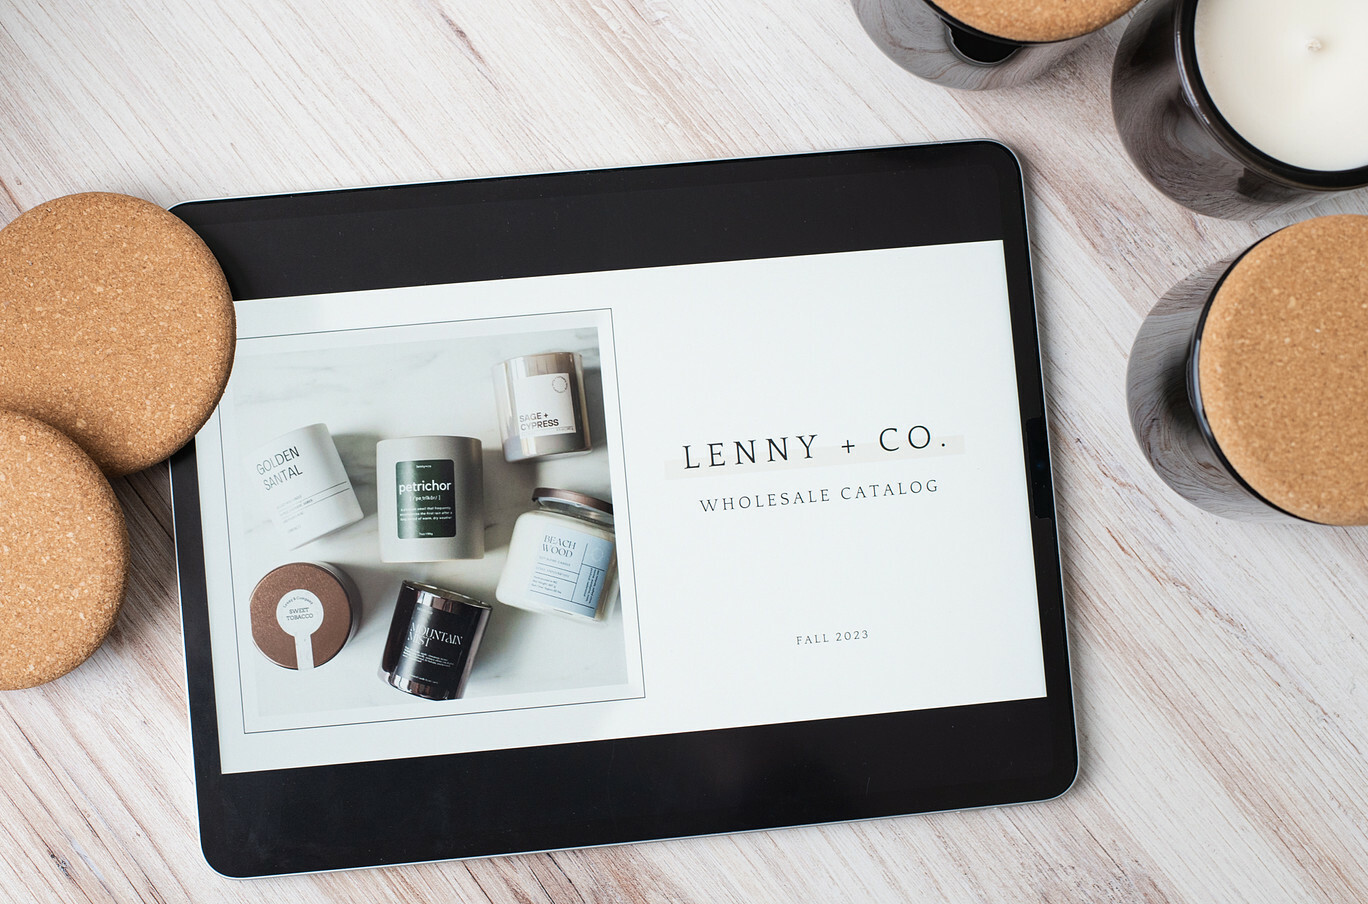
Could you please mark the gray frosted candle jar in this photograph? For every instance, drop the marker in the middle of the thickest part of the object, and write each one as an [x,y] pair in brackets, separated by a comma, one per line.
[430,497]
[432,641]
[541,406]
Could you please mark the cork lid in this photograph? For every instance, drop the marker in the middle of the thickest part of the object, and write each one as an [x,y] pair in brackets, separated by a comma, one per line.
[1283,369]
[116,326]
[63,554]
[1036,20]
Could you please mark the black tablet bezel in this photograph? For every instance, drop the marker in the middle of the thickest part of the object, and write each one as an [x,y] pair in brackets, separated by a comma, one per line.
[629,789]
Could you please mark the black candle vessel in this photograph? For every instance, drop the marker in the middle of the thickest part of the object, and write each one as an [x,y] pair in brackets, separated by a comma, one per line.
[1248,381]
[1005,45]
[1181,142]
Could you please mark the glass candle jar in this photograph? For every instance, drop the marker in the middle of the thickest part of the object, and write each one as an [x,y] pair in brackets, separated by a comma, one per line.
[300,480]
[979,44]
[432,641]
[430,496]
[541,405]
[1248,383]
[1245,108]
[562,556]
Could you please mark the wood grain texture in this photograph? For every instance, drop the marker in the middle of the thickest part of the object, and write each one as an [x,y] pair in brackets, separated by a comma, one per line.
[1221,668]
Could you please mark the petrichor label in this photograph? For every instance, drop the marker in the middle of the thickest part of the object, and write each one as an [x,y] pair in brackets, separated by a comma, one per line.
[545,405]
[299,614]
[569,571]
[425,498]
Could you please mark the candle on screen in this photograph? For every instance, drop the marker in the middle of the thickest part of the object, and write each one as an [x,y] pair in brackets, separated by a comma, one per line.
[1290,76]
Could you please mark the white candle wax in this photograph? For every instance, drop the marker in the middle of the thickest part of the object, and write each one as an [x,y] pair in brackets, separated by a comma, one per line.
[1291,76]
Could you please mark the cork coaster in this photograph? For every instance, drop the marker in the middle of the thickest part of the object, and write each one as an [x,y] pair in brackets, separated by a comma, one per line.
[1283,369]
[63,553]
[116,326]
[1037,20]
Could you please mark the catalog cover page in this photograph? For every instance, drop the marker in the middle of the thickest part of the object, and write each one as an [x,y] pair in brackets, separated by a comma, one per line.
[536,511]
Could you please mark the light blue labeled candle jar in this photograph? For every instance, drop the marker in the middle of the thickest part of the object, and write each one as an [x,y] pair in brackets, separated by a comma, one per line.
[562,557]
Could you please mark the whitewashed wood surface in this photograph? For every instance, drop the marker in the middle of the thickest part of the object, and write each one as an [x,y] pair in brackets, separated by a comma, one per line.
[1221,669]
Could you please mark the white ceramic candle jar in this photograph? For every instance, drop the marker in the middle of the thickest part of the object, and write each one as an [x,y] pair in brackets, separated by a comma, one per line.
[562,557]
[430,497]
[300,480]
[541,405]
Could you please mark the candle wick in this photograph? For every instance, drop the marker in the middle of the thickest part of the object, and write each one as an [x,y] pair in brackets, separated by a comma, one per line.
[1314,45]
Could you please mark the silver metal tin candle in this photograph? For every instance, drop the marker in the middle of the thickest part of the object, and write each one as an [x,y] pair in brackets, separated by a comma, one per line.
[1248,381]
[562,556]
[432,641]
[299,478]
[303,613]
[1245,108]
[430,497]
[978,44]
[541,405]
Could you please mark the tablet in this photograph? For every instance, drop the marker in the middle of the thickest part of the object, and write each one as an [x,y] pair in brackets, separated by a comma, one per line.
[583,508]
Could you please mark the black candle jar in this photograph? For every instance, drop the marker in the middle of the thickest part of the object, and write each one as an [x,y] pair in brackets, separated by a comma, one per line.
[1285,444]
[1168,420]
[929,42]
[1178,138]
[432,641]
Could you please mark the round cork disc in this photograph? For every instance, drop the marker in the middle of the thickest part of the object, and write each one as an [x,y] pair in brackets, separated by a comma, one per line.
[116,326]
[63,553]
[1282,369]
[1037,20]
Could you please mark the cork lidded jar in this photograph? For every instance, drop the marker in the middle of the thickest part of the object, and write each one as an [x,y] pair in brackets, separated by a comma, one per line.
[1248,383]
[1281,372]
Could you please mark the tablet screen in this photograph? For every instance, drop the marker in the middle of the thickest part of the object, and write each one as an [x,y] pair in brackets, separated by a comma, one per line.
[815,470]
